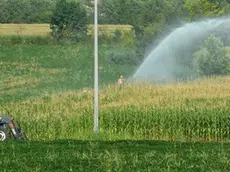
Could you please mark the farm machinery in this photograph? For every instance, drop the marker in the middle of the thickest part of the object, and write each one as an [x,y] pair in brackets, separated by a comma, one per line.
[10,130]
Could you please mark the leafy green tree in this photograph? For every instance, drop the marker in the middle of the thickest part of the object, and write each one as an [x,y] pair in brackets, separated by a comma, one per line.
[212,58]
[69,21]
[203,8]
[26,11]
[40,11]
[148,17]
[13,11]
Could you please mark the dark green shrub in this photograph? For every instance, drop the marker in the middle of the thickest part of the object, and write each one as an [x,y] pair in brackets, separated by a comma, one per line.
[122,56]
[69,21]
[18,40]
[117,35]
[211,59]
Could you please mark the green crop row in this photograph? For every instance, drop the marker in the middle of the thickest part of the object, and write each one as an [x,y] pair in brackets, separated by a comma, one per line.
[71,117]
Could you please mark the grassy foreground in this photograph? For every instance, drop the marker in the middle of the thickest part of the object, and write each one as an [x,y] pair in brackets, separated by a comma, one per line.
[157,156]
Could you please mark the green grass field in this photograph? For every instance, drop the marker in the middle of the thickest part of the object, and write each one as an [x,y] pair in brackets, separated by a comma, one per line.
[143,127]
[38,70]
[73,155]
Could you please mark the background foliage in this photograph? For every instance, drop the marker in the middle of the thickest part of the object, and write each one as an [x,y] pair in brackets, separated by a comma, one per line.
[212,58]
[68,21]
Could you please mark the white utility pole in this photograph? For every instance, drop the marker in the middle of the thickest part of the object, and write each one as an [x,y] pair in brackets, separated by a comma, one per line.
[96,108]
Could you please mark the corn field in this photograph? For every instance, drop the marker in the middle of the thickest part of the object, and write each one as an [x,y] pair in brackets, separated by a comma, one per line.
[195,111]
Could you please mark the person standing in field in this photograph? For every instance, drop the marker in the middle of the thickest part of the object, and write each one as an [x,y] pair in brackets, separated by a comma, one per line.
[120,81]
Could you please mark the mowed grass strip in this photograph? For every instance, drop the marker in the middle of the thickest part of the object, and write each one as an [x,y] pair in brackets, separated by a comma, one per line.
[69,155]
[44,29]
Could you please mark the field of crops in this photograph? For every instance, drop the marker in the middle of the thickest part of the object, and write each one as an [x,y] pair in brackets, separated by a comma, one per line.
[44,29]
[196,111]
[48,89]
[60,127]
[42,86]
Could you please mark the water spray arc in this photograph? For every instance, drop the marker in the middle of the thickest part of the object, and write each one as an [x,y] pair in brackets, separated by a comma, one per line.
[162,62]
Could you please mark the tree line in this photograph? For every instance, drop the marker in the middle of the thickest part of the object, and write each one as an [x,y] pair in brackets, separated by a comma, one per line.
[150,20]
[134,12]
[148,17]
